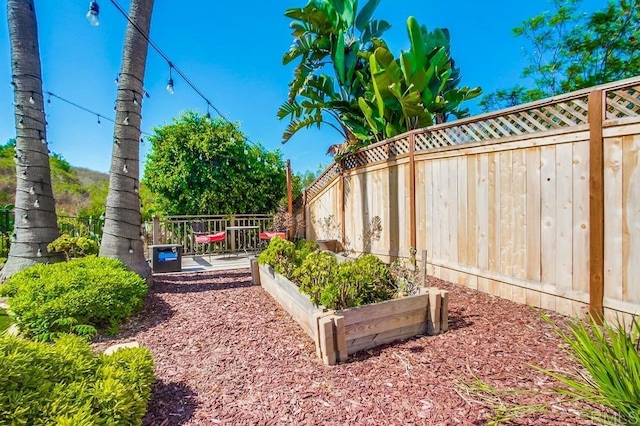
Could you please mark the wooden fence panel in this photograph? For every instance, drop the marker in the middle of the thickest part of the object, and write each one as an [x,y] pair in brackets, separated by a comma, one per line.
[502,200]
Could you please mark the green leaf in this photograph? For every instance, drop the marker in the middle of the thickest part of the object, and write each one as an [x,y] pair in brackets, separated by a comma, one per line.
[365,14]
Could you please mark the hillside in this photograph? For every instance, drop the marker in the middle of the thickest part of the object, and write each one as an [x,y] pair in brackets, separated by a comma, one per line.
[78,191]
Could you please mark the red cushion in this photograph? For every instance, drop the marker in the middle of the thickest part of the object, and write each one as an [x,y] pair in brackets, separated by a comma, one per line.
[270,235]
[212,238]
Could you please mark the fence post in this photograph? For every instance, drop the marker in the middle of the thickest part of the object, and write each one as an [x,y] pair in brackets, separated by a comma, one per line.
[596,205]
[304,213]
[343,226]
[156,230]
[412,190]
[289,201]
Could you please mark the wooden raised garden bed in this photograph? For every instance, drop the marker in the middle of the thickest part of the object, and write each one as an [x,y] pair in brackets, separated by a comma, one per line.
[340,333]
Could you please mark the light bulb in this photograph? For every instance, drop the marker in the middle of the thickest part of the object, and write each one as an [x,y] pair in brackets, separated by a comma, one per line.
[21,122]
[36,204]
[31,100]
[125,169]
[130,249]
[92,14]
[32,190]
[99,122]
[25,217]
[39,253]
[135,188]
[170,86]
[126,121]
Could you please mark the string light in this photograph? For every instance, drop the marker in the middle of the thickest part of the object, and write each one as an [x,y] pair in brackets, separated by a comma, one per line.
[36,204]
[97,114]
[39,254]
[42,139]
[124,168]
[32,190]
[92,14]
[170,82]
[31,100]
[130,247]
[126,120]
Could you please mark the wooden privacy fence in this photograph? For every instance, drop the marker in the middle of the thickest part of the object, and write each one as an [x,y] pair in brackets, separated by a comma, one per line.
[539,203]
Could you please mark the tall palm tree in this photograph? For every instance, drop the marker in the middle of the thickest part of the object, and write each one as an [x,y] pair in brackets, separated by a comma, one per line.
[35,220]
[122,227]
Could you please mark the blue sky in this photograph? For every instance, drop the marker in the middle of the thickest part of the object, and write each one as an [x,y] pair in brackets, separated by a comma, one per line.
[232,51]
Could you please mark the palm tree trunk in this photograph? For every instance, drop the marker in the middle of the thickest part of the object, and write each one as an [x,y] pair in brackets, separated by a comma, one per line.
[121,237]
[35,212]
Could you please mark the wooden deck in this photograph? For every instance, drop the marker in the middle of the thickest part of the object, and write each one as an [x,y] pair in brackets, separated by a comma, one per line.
[192,264]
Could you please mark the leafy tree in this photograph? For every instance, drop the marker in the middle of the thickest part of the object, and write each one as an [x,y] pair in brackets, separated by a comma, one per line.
[333,33]
[201,166]
[571,50]
[416,90]
[123,220]
[35,208]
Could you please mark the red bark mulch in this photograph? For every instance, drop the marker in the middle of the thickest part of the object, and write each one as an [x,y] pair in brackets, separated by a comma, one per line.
[226,353]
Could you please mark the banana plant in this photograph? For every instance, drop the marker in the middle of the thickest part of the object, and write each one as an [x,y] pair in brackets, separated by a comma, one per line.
[336,34]
[417,89]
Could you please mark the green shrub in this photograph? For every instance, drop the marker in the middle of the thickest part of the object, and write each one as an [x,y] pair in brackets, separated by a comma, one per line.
[611,356]
[66,384]
[279,255]
[303,249]
[74,247]
[5,320]
[317,272]
[344,285]
[77,297]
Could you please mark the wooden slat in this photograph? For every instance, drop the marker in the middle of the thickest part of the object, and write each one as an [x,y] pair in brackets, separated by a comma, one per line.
[494,213]
[389,336]
[581,216]
[548,246]
[533,249]
[483,203]
[631,218]
[596,205]
[519,187]
[472,211]
[564,216]
[363,314]
[374,326]
[412,191]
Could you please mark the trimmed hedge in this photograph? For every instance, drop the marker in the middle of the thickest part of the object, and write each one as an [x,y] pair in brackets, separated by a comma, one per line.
[78,296]
[66,384]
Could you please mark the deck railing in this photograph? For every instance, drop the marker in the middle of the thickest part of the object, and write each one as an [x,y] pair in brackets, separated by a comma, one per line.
[177,230]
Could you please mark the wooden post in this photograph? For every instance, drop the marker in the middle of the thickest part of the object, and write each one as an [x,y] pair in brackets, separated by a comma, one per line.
[412,190]
[156,230]
[289,201]
[342,207]
[304,213]
[596,205]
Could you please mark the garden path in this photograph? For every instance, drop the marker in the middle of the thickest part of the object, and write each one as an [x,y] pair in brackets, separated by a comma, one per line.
[225,353]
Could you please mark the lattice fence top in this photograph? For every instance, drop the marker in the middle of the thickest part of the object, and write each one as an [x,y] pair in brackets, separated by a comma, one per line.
[323,180]
[380,152]
[623,102]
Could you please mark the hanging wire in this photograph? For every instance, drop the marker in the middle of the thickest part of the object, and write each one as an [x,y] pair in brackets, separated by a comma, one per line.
[173,67]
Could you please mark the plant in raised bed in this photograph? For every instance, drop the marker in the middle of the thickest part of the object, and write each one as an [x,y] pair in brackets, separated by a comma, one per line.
[279,255]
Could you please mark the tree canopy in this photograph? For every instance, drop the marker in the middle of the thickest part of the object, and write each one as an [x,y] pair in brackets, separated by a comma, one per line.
[366,94]
[570,50]
[203,166]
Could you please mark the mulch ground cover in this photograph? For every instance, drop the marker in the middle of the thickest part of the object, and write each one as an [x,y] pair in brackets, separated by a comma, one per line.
[226,353]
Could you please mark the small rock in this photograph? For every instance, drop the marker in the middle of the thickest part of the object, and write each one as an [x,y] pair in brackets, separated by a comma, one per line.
[13,330]
[111,349]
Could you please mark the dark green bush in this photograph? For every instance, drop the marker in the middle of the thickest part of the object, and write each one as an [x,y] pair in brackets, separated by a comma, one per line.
[77,297]
[66,384]
[74,247]
[317,272]
[343,285]
[279,255]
